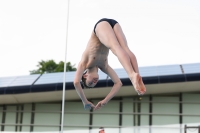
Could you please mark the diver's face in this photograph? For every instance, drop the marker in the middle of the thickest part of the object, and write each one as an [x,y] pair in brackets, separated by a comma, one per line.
[92,79]
[102,131]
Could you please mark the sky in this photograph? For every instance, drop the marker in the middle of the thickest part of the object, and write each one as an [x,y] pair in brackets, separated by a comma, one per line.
[160,32]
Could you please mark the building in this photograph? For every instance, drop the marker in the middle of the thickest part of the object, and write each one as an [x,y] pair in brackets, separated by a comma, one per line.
[33,103]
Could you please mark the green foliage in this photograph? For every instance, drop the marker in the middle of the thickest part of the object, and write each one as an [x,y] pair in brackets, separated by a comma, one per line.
[50,66]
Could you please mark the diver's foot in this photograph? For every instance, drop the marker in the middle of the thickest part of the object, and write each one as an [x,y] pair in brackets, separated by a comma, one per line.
[138,84]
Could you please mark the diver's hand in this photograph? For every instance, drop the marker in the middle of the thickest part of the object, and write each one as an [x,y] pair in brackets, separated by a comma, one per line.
[88,105]
[100,104]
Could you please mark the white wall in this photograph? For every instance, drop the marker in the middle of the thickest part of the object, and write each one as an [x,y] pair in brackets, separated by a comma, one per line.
[135,113]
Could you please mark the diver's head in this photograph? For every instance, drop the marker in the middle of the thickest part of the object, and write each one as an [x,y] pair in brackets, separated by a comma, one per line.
[90,79]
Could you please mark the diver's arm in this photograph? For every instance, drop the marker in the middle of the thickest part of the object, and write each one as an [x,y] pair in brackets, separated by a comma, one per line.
[77,85]
[117,83]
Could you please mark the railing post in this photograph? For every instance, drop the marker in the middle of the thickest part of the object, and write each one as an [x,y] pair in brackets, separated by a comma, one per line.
[199,128]
[185,128]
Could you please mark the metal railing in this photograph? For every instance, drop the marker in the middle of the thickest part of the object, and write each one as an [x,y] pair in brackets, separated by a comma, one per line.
[191,127]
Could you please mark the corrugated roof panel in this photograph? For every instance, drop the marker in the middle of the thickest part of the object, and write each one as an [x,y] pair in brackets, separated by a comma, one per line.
[5,81]
[151,71]
[102,75]
[121,73]
[169,70]
[148,71]
[58,77]
[69,76]
[49,78]
[191,68]
[24,80]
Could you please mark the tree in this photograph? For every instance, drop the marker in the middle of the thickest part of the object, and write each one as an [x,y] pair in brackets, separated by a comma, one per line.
[50,66]
[69,67]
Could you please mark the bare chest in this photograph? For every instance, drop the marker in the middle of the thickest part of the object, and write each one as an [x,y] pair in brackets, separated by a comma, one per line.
[98,58]
[97,53]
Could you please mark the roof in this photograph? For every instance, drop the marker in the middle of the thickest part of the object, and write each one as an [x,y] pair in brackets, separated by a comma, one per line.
[168,79]
[54,81]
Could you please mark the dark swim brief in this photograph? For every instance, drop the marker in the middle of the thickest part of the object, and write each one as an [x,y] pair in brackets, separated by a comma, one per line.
[112,22]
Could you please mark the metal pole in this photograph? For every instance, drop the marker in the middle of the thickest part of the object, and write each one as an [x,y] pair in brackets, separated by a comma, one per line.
[64,79]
